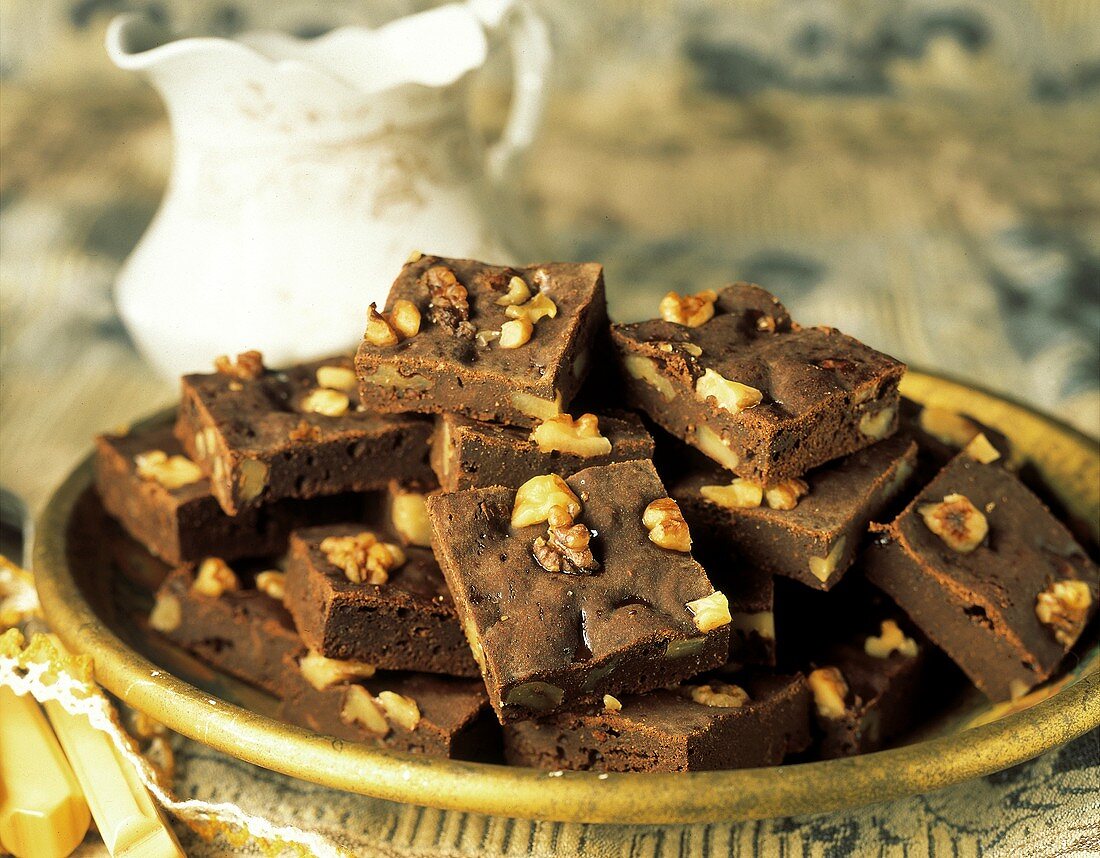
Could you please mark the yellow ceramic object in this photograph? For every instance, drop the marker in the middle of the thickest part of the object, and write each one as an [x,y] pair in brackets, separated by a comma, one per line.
[84,606]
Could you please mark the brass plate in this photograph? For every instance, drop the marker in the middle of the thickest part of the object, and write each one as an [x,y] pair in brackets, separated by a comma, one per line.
[83,606]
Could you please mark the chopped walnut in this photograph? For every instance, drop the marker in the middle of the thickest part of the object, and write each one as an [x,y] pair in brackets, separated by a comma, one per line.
[739,494]
[516,333]
[690,310]
[980,449]
[171,472]
[710,612]
[253,479]
[891,639]
[272,583]
[409,516]
[731,396]
[214,578]
[785,495]
[379,331]
[666,525]
[336,378]
[167,615]
[580,437]
[518,293]
[330,403]
[322,672]
[450,306]
[829,689]
[484,338]
[876,425]
[536,497]
[414,256]
[566,546]
[538,307]
[362,557]
[1064,607]
[956,521]
[822,567]
[248,365]
[399,709]
[612,704]
[363,709]
[405,318]
[718,694]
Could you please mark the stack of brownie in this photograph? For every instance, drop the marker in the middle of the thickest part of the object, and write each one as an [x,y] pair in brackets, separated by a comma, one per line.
[633,547]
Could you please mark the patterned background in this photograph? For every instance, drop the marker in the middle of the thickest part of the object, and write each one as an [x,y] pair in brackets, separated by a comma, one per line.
[924,174]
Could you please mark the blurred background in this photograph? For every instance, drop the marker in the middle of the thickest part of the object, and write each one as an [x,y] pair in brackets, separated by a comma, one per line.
[924,174]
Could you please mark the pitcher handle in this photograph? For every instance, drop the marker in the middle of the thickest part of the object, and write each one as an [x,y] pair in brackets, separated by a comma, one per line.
[529,42]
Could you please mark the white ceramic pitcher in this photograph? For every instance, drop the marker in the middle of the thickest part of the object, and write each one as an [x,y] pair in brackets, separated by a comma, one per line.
[306,171]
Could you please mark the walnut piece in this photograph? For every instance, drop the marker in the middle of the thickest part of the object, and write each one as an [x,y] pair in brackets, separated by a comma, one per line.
[739,494]
[537,308]
[829,690]
[822,567]
[956,521]
[785,495]
[379,331]
[322,400]
[580,437]
[690,310]
[214,578]
[711,443]
[711,612]
[362,557]
[362,709]
[409,516]
[980,449]
[336,378]
[718,694]
[666,525]
[399,709]
[535,695]
[272,583]
[536,497]
[566,546]
[171,472]
[877,424]
[1064,607]
[405,318]
[449,305]
[731,396]
[645,369]
[516,333]
[518,293]
[891,639]
[167,615]
[253,479]
[247,367]
[947,426]
[535,406]
[612,704]
[322,672]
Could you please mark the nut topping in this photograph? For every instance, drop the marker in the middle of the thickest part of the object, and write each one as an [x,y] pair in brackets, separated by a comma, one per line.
[214,578]
[518,293]
[711,612]
[718,694]
[711,443]
[336,378]
[449,307]
[536,497]
[362,709]
[1064,607]
[362,557]
[731,396]
[739,494]
[171,472]
[822,567]
[565,548]
[247,367]
[539,306]
[322,672]
[516,333]
[666,525]
[829,690]
[167,615]
[272,583]
[956,521]
[253,479]
[644,369]
[690,310]
[612,704]
[405,318]
[409,516]
[890,640]
[785,495]
[980,449]
[379,331]
[877,424]
[580,437]
[330,403]
[399,709]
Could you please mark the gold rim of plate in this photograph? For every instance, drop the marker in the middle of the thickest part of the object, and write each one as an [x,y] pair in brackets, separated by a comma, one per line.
[993,739]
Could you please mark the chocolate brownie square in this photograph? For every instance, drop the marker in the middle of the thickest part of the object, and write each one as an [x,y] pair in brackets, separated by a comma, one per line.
[506,345]
[987,573]
[730,373]
[469,454]
[572,589]
[261,434]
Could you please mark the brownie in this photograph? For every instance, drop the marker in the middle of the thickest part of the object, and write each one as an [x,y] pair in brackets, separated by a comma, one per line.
[406,622]
[751,594]
[987,573]
[872,689]
[761,395]
[454,718]
[469,454]
[817,540]
[622,612]
[696,727]
[181,523]
[465,352]
[262,435]
[244,632]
